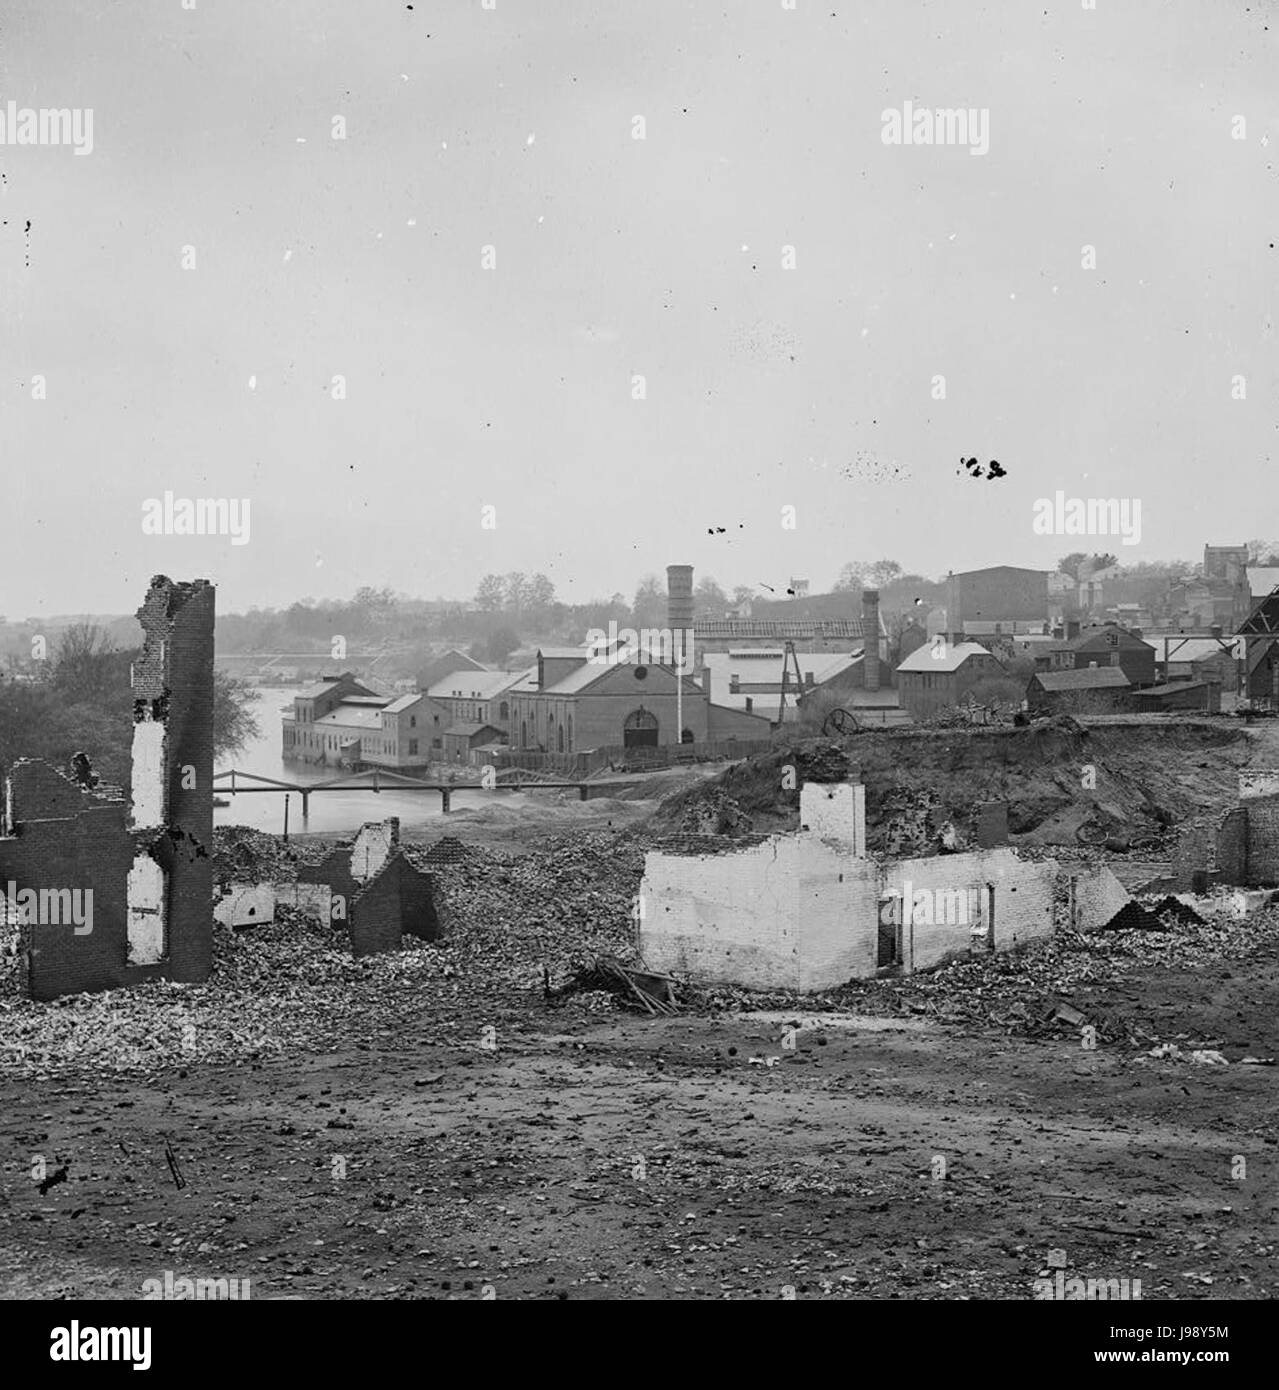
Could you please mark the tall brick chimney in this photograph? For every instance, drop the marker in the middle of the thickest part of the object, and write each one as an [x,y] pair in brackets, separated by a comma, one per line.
[870,635]
[679,605]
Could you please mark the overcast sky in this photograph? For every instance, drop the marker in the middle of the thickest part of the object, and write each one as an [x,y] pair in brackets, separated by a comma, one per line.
[766,387]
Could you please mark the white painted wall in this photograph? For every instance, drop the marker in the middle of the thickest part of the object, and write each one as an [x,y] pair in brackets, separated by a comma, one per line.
[147,912]
[800,912]
[722,917]
[148,773]
[246,905]
[372,848]
[1023,901]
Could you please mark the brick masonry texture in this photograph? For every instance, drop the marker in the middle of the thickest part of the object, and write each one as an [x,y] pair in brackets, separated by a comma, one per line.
[63,836]
[397,899]
[1232,846]
[1263,840]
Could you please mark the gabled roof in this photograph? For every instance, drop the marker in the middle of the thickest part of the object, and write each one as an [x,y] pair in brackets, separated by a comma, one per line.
[313,692]
[404,701]
[1100,637]
[474,685]
[466,730]
[585,676]
[439,666]
[1086,678]
[956,653]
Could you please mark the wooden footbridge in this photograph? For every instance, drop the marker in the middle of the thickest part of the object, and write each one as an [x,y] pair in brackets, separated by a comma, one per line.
[235,782]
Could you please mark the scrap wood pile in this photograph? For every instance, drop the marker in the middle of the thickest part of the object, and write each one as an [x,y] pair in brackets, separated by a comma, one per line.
[632,988]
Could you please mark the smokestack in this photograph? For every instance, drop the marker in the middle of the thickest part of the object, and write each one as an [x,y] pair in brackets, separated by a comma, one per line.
[870,636]
[679,605]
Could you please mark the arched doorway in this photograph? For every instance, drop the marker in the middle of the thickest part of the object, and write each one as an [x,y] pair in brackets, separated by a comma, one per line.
[639,729]
[687,736]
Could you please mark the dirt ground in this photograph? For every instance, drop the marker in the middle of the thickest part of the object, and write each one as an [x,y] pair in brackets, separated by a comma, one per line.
[629,1158]
[456,1146]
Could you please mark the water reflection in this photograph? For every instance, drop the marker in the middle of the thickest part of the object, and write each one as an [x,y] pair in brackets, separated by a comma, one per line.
[341,811]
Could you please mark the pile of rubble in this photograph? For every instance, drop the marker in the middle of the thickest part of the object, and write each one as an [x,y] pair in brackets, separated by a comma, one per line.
[242,853]
[294,987]
[1027,994]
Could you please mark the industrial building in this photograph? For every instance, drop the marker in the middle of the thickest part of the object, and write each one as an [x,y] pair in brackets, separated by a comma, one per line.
[942,674]
[999,598]
[340,722]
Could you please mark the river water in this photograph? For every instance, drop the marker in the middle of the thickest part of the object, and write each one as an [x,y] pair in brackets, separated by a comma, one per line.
[336,811]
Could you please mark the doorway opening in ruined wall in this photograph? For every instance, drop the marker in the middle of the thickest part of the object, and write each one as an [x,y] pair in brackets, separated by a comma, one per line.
[889,944]
[639,729]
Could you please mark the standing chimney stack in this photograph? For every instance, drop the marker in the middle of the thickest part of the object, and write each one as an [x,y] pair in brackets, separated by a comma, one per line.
[679,607]
[870,636]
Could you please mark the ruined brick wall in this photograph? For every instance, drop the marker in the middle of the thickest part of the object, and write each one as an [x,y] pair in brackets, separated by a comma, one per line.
[1191,855]
[174,681]
[397,899]
[1022,900]
[68,839]
[1263,840]
[335,871]
[799,912]
[1232,846]
[723,918]
[147,861]
[418,916]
